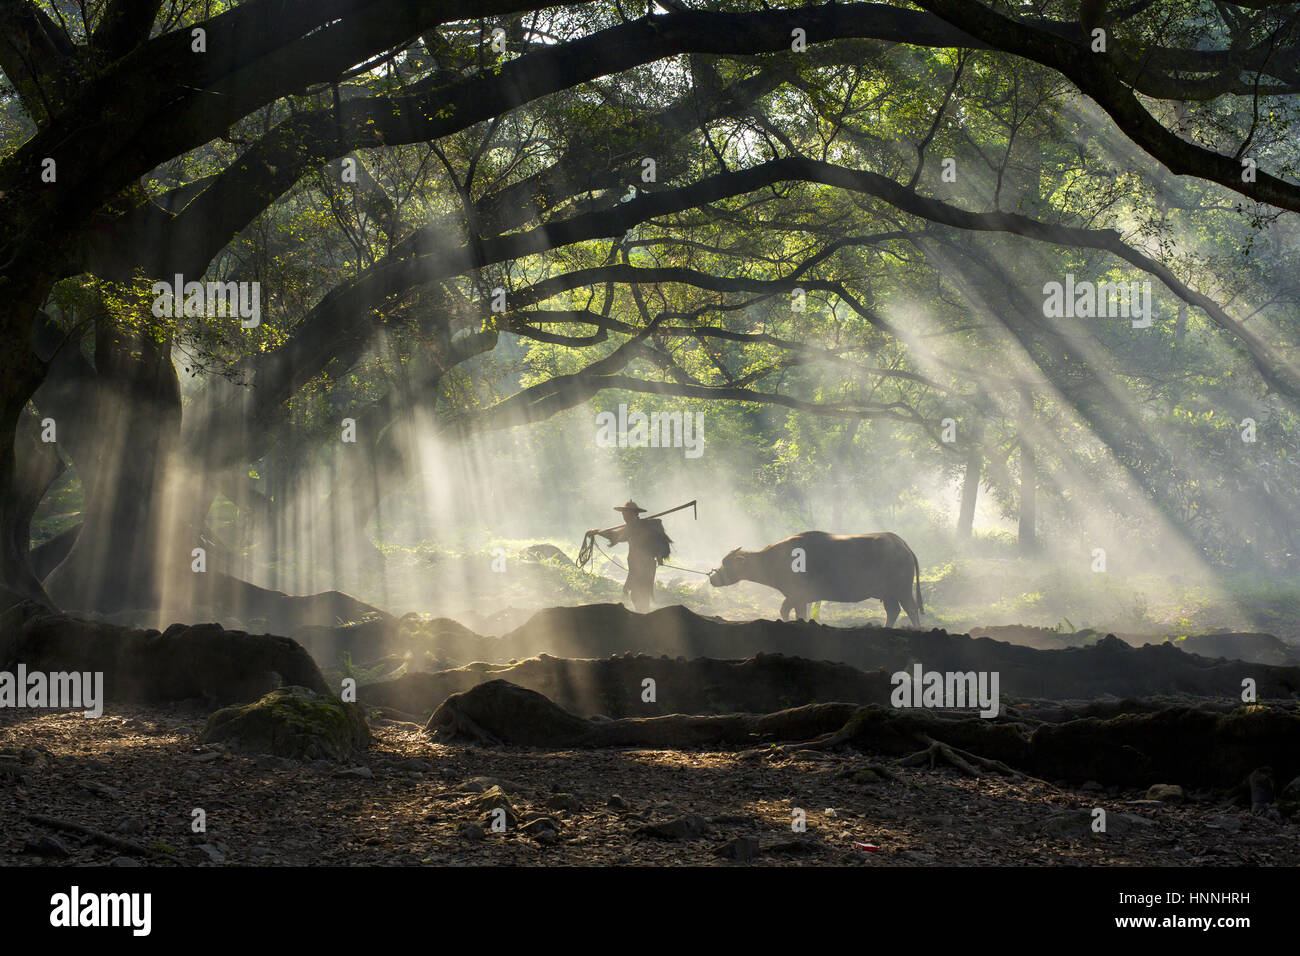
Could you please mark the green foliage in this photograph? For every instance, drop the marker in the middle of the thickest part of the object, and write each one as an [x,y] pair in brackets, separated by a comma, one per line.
[1137,433]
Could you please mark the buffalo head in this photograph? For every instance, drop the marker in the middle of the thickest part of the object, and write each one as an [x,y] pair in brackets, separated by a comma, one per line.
[729,572]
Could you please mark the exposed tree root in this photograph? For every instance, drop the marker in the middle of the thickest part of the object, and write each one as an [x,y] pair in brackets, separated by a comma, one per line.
[825,742]
[972,765]
[935,753]
[883,771]
[459,725]
[1129,750]
[99,836]
[503,712]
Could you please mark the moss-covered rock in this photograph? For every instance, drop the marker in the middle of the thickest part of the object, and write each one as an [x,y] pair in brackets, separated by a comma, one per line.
[292,722]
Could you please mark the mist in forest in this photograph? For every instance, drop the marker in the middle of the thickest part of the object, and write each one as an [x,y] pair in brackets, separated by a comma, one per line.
[412,513]
[447,528]
[452,538]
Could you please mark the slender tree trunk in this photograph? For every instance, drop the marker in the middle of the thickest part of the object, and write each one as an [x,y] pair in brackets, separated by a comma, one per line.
[1028,479]
[970,489]
[845,455]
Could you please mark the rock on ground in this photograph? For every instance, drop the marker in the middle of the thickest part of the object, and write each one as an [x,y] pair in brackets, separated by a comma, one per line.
[292,722]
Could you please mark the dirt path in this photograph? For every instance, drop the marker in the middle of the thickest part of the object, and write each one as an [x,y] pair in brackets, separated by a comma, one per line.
[135,774]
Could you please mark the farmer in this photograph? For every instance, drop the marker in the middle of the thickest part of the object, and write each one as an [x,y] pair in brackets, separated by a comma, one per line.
[648,546]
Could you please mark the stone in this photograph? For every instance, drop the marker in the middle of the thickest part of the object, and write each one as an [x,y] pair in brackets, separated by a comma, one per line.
[1078,823]
[212,853]
[866,776]
[689,827]
[792,848]
[1130,820]
[494,801]
[355,773]
[1226,823]
[563,801]
[48,846]
[1070,823]
[542,829]
[492,798]
[1166,793]
[99,789]
[471,832]
[415,765]
[1261,789]
[742,848]
[272,762]
[292,722]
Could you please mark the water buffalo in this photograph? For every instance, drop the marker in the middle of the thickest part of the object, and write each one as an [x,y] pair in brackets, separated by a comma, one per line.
[816,566]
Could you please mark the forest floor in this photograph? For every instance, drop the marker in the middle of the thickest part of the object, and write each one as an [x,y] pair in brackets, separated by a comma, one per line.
[137,777]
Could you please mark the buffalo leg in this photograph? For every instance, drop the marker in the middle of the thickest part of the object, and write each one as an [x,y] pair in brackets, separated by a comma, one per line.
[913,612]
[786,608]
[891,611]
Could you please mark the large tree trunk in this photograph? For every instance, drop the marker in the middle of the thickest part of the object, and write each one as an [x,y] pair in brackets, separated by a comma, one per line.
[119,560]
[39,466]
[20,375]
